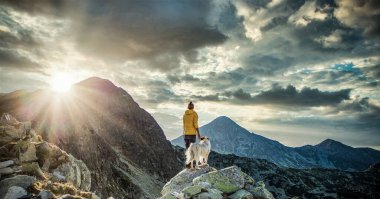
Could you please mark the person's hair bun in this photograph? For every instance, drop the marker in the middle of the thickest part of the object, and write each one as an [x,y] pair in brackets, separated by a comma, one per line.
[191,105]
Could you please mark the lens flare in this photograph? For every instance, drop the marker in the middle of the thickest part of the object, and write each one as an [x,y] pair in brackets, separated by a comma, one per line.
[61,83]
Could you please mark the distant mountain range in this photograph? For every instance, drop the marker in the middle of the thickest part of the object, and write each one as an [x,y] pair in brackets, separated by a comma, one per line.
[227,137]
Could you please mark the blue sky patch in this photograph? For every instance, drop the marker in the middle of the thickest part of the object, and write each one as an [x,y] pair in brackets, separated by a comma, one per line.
[350,67]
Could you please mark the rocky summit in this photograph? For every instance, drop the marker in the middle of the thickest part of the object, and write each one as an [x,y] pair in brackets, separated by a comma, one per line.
[207,182]
[31,167]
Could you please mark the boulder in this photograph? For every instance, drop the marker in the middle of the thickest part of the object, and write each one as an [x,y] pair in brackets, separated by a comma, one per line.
[6,170]
[15,192]
[22,181]
[241,194]
[183,179]
[9,134]
[168,196]
[6,163]
[75,172]
[50,156]
[191,191]
[28,153]
[227,180]
[210,194]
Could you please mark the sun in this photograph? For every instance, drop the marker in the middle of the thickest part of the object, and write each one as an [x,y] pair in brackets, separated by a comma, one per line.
[61,83]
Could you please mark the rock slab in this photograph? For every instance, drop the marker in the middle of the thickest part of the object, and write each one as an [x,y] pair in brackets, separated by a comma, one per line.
[227,180]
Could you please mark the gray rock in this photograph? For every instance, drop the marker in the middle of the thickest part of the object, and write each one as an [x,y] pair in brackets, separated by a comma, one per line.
[192,190]
[22,181]
[58,177]
[168,196]
[6,170]
[210,194]
[15,192]
[183,179]
[227,180]
[46,194]
[6,163]
[205,185]
[76,172]
[241,194]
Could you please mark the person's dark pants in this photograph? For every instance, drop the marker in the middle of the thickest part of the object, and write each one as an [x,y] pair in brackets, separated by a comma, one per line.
[189,139]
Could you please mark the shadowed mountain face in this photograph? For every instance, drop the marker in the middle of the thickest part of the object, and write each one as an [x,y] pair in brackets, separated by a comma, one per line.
[333,154]
[227,137]
[101,124]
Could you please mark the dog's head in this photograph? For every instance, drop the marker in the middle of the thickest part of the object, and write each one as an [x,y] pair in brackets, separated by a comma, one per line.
[203,138]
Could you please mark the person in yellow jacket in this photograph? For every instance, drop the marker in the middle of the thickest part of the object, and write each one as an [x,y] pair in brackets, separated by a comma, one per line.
[190,125]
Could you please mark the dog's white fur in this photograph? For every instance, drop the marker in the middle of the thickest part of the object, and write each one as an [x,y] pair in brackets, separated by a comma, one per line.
[198,152]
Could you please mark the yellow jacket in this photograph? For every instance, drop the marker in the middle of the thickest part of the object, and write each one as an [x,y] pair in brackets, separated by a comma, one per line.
[190,122]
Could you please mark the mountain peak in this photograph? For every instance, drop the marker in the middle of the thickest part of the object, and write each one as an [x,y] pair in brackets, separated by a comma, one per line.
[98,84]
[330,143]
[223,119]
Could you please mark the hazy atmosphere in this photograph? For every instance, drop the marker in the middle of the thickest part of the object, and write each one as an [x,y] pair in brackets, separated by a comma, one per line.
[295,71]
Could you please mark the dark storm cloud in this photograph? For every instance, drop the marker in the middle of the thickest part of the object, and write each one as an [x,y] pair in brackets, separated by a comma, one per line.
[140,29]
[363,15]
[290,96]
[283,96]
[156,31]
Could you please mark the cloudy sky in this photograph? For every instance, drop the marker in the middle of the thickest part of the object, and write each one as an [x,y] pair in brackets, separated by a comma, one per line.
[292,70]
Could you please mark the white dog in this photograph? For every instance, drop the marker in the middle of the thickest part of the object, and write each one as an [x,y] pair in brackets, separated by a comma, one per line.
[198,152]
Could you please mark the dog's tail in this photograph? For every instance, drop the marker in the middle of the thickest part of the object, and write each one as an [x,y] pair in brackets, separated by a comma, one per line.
[189,154]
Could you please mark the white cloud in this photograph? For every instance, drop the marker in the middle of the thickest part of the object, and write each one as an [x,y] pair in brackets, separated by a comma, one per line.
[334,40]
[254,19]
[307,13]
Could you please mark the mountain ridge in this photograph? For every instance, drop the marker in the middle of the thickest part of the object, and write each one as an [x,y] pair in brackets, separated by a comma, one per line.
[327,154]
[102,125]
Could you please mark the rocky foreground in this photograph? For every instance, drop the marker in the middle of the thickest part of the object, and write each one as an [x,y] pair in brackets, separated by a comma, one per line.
[31,167]
[286,183]
[209,183]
